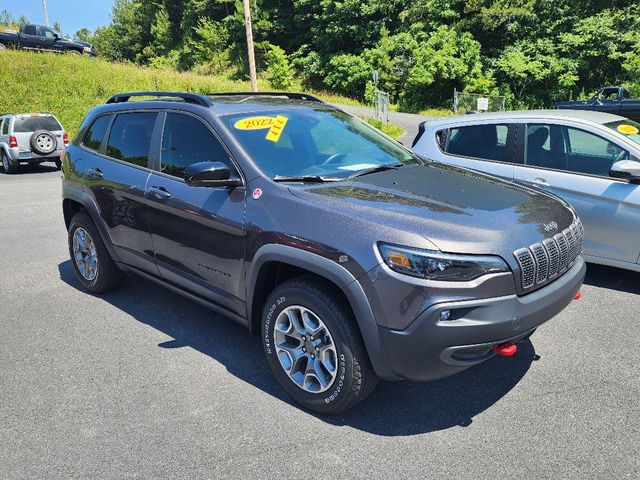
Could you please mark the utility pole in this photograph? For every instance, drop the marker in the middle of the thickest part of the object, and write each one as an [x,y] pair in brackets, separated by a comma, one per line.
[44,10]
[252,58]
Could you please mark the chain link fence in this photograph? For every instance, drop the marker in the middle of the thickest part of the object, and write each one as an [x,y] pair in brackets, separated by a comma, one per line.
[464,102]
[381,106]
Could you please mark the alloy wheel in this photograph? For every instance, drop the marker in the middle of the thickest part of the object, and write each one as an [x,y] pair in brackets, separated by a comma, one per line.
[305,348]
[85,254]
[45,142]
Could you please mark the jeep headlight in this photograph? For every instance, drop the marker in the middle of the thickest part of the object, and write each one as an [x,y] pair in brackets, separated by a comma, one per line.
[434,265]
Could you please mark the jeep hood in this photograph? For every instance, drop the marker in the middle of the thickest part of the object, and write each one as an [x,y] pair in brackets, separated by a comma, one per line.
[456,209]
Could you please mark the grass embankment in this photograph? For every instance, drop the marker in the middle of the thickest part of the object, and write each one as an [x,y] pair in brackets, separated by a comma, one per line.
[391,129]
[68,86]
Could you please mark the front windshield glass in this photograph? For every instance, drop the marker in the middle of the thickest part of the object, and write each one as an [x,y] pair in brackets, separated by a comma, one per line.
[310,142]
[628,128]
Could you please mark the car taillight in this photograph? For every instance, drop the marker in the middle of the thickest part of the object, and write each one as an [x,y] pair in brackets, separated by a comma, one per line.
[65,138]
[13,141]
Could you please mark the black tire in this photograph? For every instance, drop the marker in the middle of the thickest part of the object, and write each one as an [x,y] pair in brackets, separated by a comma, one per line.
[355,378]
[58,163]
[108,276]
[48,137]
[7,165]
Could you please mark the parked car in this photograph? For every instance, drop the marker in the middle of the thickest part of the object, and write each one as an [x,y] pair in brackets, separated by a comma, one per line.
[613,100]
[590,159]
[30,138]
[351,257]
[40,37]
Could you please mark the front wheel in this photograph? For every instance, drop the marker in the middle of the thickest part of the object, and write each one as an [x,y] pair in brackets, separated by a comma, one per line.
[314,348]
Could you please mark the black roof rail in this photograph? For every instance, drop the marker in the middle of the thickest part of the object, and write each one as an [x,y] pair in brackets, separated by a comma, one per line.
[194,98]
[289,95]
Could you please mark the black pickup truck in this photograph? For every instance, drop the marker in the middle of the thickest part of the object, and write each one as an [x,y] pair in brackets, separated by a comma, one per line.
[609,100]
[39,37]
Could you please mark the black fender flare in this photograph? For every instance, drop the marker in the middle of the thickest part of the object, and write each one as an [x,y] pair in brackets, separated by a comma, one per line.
[339,276]
[79,196]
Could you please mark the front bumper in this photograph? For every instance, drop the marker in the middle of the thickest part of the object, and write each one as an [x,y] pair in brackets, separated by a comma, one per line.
[431,348]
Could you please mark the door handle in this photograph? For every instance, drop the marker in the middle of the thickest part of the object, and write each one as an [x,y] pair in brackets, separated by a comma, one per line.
[159,192]
[95,173]
[541,182]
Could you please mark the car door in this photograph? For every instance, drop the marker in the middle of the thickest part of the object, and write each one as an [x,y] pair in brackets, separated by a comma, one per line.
[29,37]
[607,101]
[487,147]
[46,38]
[574,164]
[198,232]
[118,148]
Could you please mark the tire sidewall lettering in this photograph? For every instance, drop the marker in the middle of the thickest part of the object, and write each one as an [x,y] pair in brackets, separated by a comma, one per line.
[268,346]
[341,378]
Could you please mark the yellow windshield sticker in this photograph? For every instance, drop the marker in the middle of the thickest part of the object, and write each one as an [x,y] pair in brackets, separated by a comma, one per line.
[277,128]
[628,129]
[255,123]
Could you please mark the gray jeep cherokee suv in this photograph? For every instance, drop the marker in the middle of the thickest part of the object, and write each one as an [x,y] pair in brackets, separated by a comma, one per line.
[352,258]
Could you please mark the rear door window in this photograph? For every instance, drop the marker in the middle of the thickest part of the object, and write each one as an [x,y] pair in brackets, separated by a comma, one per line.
[488,142]
[130,137]
[30,30]
[25,124]
[5,126]
[94,136]
[187,140]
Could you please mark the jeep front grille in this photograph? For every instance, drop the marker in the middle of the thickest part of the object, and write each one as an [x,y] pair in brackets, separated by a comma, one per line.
[544,261]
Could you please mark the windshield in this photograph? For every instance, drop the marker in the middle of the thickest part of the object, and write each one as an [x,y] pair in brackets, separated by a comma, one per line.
[628,128]
[31,123]
[309,142]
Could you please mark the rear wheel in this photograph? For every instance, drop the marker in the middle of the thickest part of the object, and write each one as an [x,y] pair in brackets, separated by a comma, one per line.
[313,346]
[90,258]
[8,165]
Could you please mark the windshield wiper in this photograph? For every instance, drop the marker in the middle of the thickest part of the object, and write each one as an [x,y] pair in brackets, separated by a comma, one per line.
[377,168]
[305,178]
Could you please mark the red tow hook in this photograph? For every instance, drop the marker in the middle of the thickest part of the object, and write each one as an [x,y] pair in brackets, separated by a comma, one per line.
[578,296]
[507,349]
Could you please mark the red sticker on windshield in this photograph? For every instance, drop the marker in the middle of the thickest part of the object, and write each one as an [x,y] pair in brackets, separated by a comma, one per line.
[257,193]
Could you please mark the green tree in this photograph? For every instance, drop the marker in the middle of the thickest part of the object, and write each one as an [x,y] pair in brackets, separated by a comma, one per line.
[279,70]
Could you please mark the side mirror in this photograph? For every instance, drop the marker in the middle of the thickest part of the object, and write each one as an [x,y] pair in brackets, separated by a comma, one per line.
[210,174]
[626,170]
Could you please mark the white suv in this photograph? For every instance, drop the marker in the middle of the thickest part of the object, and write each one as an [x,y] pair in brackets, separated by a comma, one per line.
[30,138]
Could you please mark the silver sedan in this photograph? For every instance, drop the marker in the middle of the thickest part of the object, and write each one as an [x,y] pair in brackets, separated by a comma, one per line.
[590,159]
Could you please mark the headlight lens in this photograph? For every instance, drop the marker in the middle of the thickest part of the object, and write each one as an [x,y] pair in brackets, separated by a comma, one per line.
[433,265]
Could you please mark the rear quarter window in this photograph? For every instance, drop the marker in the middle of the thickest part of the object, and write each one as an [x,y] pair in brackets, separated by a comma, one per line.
[130,137]
[95,134]
[36,122]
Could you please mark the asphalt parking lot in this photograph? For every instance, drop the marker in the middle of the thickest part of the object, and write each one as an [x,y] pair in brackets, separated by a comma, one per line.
[142,383]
